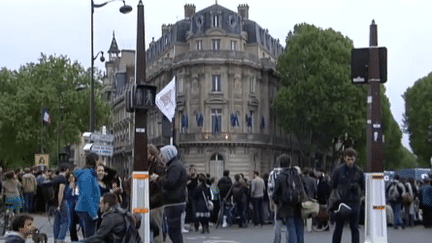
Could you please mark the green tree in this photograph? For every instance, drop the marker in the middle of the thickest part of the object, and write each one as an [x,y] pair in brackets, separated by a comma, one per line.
[53,83]
[418,118]
[317,101]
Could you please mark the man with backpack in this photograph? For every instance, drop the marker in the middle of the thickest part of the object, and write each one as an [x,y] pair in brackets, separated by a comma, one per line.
[238,193]
[29,190]
[117,224]
[288,195]
[394,193]
[348,181]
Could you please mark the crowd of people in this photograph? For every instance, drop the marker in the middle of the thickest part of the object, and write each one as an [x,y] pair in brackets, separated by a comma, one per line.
[181,199]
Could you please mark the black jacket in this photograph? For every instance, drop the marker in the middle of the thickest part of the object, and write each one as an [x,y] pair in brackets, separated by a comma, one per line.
[174,182]
[224,185]
[112,228]
[285,210]
[349,182]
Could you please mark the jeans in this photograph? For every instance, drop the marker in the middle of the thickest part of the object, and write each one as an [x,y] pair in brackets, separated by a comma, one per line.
[258,210]
[353,220]
[277,230]
[88,223]
[173,215]
[397,212]
[28,202]
[295,229]
[241,212]
[62,222]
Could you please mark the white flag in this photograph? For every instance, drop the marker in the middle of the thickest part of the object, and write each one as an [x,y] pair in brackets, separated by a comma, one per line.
[166,100]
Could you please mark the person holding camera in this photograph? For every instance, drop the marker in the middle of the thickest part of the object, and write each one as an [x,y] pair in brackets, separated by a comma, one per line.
[348,181]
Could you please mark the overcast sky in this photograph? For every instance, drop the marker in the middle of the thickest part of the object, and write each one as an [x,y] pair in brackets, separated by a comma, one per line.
[62,27]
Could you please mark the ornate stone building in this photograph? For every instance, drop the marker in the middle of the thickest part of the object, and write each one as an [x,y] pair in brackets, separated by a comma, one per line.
[224,67]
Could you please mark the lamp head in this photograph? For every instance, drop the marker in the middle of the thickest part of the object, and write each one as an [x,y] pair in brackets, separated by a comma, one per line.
[102,58]
[125,8]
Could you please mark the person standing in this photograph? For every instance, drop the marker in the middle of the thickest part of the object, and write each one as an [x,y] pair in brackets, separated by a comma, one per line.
[257,197]
[174,191]
[238,193]
[29,190]
[288,194]
[215,198]
[284,161]
[11,190]
[89,195]
[394,193]
[348,180]
[224,185]
[62,217]
[426,202]
[201,195]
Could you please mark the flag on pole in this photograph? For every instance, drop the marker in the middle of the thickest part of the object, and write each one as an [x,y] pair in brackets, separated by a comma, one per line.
[166,100]
[46,117]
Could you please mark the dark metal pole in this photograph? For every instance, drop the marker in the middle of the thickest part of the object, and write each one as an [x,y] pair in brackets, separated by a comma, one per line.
[91,125]
[374,128]
[140,143]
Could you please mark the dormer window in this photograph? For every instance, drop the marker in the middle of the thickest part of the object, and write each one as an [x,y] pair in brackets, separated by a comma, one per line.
[216,20]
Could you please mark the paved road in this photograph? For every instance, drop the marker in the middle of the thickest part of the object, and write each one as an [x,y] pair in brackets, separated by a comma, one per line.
[265,234]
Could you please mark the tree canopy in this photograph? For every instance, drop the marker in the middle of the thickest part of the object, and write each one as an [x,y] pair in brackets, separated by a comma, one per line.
[56,84]
[418,118]
[317,101]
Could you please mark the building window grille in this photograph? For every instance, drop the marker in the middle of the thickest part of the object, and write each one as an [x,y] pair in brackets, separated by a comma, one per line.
[216,120]
[252,85]
[199,45]
[216,19]
[216,45]
[216,83]
[234,45]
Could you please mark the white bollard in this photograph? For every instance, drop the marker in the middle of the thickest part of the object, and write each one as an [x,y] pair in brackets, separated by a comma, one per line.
[375,210]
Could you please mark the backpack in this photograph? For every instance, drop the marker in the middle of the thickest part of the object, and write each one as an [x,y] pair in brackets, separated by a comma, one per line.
[294,191]
[237,192]
[393,194]
[131,233]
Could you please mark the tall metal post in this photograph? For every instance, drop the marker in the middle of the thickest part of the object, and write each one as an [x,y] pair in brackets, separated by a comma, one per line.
[91,125]
[375,222]
[140,185]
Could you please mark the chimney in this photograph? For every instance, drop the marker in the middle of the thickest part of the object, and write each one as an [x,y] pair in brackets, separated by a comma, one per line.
[165,29]
[243,11]
[189,10]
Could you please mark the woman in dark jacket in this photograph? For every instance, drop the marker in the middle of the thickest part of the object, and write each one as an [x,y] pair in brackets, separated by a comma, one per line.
[202,213]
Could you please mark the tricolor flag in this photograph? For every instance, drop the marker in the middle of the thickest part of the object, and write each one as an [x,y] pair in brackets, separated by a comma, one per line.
[46,117]
[166,100]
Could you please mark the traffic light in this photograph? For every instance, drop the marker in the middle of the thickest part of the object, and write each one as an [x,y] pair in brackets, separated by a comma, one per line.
[140,97]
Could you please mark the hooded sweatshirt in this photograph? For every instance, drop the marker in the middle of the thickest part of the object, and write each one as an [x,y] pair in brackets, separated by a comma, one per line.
[89,193]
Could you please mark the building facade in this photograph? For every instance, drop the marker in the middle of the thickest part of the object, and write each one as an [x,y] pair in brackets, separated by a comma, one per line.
[224,68]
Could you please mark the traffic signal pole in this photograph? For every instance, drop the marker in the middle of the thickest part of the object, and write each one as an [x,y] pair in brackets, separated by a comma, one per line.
[140,181]
[375,211]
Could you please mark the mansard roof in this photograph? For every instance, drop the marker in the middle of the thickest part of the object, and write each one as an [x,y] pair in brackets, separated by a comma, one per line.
[203,20]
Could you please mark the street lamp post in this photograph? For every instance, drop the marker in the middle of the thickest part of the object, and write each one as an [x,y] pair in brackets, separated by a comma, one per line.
[124,9]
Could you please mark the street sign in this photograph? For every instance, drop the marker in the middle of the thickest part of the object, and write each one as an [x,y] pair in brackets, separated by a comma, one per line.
[41,159]
[108,138]
[102,150]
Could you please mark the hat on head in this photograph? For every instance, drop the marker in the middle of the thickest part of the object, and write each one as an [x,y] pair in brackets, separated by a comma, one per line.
[168,152]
